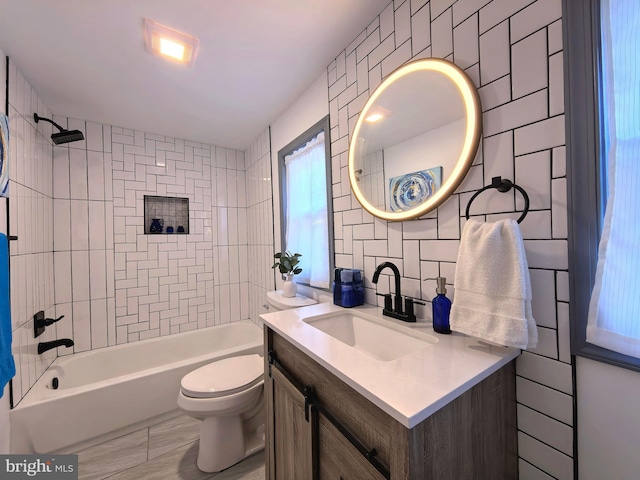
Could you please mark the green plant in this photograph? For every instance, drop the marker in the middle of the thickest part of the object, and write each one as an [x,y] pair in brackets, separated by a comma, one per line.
[286,262]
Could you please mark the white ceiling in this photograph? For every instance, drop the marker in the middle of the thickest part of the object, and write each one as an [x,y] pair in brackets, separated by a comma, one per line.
[86,59]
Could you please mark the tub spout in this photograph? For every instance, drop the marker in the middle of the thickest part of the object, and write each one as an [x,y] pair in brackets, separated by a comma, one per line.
[44,346]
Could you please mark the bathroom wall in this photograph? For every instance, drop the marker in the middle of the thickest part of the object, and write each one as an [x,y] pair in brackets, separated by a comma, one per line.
[259,219]
[512,49]
[31,220]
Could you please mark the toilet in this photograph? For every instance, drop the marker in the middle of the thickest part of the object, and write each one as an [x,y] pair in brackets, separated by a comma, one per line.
[227,396]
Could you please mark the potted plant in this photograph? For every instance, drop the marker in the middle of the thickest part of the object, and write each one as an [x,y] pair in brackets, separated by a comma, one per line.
[287,264]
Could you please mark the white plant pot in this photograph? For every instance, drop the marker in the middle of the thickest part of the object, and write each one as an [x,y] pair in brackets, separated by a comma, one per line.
[289,289]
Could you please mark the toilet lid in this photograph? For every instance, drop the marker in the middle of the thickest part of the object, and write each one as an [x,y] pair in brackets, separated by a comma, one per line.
[224,377]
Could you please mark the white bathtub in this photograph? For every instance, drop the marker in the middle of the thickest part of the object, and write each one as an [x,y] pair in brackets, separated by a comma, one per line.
[113,389]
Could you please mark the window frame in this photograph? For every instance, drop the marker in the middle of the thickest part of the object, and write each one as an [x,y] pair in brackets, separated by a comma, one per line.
[321,126]
[586,175]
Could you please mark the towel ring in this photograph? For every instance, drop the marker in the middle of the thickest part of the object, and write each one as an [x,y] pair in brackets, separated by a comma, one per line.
[502,185]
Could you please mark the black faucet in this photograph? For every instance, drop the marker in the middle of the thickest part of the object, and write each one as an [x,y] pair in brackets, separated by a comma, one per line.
[408,314]
[44,346]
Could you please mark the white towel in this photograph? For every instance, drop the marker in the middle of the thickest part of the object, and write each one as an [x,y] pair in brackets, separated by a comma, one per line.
[492,287]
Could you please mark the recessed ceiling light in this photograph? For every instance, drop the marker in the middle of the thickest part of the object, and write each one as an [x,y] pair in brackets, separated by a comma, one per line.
[169,43]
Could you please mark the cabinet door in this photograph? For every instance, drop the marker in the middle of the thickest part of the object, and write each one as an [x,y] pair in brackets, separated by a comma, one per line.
[292,433]
[338,459]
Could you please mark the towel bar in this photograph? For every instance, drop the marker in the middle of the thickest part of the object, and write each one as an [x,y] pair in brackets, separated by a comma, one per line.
[502,185]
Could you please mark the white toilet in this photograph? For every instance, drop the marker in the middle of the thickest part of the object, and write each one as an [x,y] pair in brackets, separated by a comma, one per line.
[227,395]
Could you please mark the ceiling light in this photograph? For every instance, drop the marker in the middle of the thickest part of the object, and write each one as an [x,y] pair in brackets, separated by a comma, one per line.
[169,43]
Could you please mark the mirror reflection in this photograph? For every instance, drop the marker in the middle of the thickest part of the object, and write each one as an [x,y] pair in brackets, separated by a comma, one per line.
[414,140]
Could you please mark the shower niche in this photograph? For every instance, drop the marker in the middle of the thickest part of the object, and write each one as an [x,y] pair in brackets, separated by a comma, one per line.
[166,215]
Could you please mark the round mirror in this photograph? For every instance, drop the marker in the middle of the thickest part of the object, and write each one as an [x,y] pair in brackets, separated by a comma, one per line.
[415,139]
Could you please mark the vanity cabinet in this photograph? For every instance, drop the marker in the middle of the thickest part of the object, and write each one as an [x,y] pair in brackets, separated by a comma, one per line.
[318,427]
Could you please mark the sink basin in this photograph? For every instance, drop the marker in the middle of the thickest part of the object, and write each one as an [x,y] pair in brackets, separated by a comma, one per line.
[371,336]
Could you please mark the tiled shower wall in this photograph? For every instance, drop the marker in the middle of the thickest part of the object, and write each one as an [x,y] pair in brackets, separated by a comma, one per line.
[120,285]
[31,220]
[260,223]
[512,50]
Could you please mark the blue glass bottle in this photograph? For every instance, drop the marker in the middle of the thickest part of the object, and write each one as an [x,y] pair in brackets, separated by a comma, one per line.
[441,308]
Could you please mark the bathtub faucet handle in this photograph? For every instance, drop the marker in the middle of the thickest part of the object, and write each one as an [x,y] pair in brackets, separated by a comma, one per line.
[45,322]
[49,321]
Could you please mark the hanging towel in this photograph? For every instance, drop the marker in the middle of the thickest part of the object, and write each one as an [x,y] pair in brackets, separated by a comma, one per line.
[492,285]
[7,365]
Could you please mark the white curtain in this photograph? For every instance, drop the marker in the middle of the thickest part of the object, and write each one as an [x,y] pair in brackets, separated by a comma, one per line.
[306,205]
[614,311]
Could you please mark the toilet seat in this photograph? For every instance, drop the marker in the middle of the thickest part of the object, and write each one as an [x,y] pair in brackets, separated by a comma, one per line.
[224,377]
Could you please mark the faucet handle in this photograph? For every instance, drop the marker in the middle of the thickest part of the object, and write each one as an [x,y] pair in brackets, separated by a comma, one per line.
[387,301]
[408,308]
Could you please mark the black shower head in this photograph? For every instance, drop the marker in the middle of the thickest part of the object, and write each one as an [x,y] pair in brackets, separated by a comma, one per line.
[63,136]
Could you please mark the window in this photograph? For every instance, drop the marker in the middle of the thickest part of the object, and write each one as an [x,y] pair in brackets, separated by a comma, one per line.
[603,137]
[307,216]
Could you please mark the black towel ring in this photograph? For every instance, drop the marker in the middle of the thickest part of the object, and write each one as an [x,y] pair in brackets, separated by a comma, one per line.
[502,185]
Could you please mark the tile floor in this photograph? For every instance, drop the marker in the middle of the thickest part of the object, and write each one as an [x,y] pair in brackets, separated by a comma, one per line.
[166,451]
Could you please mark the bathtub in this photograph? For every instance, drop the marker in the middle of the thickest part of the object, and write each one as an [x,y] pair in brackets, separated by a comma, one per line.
[107,392]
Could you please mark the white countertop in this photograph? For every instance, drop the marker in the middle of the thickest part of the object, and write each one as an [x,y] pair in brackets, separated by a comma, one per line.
[409,388]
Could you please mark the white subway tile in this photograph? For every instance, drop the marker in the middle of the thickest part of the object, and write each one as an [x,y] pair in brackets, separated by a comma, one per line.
[78,174]
[81,326]
[79,224]
[564,333]
[494,53]
[95,175]
[62,269]
[402,24]
[80,275]
[466,43]
[529,64]
[98,274]
[556,84]
[410,259]
[61,172]
[540,135]
[547,343]
[543,290]
[559,208]
[439,250]
[442,35]
[420,31]
[62,222]
[97,230]
[555,37]
[517,113]
[547,254]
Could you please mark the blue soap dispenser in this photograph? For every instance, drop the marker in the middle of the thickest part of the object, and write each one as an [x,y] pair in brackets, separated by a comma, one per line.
[441,307]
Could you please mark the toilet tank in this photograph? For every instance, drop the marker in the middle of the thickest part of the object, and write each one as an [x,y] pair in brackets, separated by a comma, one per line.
[277,301]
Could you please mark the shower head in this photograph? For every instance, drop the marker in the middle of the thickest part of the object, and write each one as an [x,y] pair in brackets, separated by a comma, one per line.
[63,136]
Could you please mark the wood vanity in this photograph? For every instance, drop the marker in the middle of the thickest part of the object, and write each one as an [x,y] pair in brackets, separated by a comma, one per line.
[320,427]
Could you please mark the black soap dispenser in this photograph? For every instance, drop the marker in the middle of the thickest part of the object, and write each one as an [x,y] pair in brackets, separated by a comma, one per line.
[441,307]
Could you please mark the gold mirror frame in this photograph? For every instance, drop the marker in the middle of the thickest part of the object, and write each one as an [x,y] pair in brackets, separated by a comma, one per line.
[471,100]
